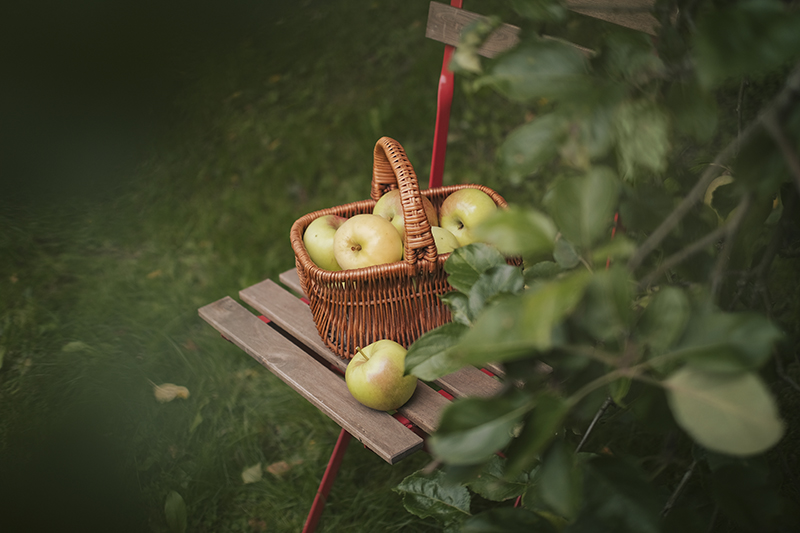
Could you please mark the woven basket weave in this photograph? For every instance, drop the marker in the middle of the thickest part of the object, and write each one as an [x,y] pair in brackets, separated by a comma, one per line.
[398,301]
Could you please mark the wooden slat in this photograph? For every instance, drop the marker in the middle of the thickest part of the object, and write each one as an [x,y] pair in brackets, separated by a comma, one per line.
[291,280]
[634,14]
[445,24]
[379,431]
[294,317]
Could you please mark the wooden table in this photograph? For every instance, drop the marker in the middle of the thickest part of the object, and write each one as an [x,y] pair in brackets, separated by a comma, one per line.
[283,338]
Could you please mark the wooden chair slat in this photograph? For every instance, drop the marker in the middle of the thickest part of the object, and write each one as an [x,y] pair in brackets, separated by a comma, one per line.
[378,431]
[633,14]
[294,317]
[445,24]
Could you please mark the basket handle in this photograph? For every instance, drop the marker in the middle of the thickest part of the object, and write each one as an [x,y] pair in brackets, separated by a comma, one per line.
[392,170]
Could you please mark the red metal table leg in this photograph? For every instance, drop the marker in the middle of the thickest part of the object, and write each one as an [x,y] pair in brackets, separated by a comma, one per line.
[443,101]
[327,481]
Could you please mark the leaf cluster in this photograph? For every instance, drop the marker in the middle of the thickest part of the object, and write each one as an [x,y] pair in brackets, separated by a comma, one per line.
[637,341]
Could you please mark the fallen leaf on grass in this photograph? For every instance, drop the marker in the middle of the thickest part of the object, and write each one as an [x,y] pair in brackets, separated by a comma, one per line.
[252,474]
[166,392]
[281,467]
[154,274]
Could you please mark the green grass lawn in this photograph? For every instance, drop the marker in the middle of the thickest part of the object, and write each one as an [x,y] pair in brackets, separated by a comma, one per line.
[176,200]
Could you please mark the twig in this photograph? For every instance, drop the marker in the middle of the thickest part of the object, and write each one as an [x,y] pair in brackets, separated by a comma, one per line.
[674,497]
[597,416]
[725,232]
[778,106]
[682,255]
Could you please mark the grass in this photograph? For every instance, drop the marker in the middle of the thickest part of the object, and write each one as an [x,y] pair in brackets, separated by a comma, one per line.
[181,196]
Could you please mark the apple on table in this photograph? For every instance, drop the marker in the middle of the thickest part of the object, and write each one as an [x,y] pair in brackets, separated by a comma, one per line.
[375,376]
[463,210]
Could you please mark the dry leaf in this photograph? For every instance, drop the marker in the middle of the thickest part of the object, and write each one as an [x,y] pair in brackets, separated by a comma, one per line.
[278,469]
[252,474]
[154,274]
[166,392]
[281,467]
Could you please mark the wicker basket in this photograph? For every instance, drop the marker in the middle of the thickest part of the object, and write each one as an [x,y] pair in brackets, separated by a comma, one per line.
[398,301]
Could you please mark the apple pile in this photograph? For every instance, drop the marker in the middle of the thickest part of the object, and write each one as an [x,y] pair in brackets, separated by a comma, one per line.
[338,243]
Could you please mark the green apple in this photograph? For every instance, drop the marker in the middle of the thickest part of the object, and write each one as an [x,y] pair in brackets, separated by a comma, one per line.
[445,241]
[375,376]
[366,240]
[390,207]
[463,210]
[318,240]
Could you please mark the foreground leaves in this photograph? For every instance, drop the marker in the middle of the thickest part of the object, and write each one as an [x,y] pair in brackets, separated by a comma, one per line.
[731,413]
[430,496]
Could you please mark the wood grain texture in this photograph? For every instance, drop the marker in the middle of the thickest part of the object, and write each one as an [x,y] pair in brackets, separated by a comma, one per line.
[267,298]
[377,430]
[634,14]
[294,317]
[291,279]
[445,24]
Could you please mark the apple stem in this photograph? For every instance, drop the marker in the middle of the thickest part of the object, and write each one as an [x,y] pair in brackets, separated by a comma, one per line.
[359,350]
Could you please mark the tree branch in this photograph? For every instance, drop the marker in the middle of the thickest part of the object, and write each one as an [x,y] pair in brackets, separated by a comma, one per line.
[778,107]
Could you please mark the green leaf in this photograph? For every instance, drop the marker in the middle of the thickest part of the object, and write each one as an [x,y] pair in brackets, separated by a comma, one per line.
[541,270]
[521,324]
[498,280]
[471,430]
[466,264]
[175,512]
[606,312]
[619,390]
[732,413]
[642,130]
[458,302]
[630,56]
[491,483]
[428,357]
[541,426]
[431,496]
[729,341]
[559,480]
[565,254]
[583,206]
[744,39]
[540,69]
[664,320]
[531,146]
[507,520]
[518,232]
[618,497]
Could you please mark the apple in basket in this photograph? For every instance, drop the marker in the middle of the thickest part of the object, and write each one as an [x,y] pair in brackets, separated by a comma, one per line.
[374,376]
[445,241]
[390,207]
[463,210]
[366,240]
[318,240]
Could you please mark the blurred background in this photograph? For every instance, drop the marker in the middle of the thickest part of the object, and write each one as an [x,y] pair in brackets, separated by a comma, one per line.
[153,156]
